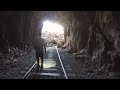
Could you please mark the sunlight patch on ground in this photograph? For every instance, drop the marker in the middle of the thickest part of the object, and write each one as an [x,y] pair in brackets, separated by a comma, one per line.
[48,63]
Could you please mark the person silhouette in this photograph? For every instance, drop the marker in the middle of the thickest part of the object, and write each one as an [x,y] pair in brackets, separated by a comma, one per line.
[40,49]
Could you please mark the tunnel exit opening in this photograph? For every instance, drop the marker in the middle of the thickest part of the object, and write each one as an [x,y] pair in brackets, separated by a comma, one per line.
[53,33]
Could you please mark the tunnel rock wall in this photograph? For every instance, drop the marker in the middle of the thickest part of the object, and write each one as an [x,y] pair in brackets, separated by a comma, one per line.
[96,31]
[16,28]
[76,31]
[104,40]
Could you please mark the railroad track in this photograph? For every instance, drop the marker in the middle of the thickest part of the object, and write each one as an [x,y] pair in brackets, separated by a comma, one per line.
[29,72]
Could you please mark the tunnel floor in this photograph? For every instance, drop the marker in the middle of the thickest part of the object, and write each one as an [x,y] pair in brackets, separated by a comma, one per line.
[83,68]
[16,67]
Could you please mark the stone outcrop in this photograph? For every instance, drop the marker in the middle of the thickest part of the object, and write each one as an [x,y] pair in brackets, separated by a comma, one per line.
[16,28]
[104,36]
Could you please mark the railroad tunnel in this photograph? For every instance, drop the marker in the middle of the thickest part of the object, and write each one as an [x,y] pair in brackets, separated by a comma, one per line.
[95,34]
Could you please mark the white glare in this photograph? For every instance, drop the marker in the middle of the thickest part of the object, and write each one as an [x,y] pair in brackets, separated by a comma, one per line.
[52,27]
[48,63]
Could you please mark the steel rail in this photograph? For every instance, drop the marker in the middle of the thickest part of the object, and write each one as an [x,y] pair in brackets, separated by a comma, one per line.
[66,77]
[28,72]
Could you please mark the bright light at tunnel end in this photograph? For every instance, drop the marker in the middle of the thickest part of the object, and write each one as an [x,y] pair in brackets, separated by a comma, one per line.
[52,27]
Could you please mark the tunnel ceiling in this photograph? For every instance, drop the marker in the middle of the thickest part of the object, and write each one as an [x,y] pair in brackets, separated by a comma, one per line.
[22,25]
[74,22]
[63,17]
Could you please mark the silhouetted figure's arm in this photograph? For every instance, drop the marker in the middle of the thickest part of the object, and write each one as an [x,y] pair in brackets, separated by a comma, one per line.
[44,46]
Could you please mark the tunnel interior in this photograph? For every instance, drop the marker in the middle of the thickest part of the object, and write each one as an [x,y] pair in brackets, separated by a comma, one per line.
[95,32]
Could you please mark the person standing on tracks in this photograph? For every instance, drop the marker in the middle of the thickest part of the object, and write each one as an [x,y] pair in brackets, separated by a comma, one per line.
[40,48]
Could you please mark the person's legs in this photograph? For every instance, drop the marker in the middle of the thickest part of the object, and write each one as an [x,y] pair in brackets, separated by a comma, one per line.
[37,58]
[41,55]
[42,62]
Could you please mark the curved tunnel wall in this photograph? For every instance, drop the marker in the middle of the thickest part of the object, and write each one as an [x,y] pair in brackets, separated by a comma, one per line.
[104,39]
[97,31]
[16,27]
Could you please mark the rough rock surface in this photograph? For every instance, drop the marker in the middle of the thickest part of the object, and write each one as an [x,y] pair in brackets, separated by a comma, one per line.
[15,64]
[96,31]
[103,44]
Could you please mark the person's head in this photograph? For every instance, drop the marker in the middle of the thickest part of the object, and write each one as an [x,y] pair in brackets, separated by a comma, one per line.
[39,34]
[41,38]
